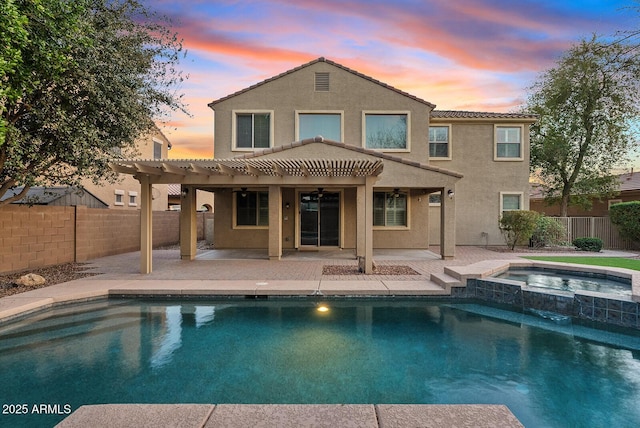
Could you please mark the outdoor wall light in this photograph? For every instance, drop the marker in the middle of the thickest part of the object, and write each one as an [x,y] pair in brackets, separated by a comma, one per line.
[396,193]
[319,192]
[287,205]
[450,193]
[185,192]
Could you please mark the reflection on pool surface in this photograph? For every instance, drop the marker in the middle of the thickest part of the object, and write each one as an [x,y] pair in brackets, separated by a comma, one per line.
[566,281]
[356,351]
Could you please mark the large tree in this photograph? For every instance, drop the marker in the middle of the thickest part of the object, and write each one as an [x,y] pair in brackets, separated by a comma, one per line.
[81,80]
[587,105]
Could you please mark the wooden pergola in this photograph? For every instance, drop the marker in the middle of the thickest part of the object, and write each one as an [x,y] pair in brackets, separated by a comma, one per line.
[360,173]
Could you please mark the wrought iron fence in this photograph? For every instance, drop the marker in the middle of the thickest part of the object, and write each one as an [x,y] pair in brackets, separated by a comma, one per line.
[594,227]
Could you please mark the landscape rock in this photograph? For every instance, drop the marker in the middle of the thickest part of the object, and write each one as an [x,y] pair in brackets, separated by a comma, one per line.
[31,280]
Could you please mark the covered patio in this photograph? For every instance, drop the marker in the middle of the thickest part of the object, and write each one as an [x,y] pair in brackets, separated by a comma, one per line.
[272,171]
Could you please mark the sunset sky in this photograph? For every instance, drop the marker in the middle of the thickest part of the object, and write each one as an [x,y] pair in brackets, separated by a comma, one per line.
[457,54]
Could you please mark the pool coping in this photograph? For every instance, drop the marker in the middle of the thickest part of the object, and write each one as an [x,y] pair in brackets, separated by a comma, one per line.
[292,415]
[86,289]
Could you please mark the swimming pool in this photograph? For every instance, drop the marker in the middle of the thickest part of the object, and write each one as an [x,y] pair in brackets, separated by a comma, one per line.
[288,351]
[565,280]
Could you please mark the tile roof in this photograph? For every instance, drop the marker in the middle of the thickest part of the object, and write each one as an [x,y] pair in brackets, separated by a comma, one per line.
[455,114]
[335,64]
[358,149]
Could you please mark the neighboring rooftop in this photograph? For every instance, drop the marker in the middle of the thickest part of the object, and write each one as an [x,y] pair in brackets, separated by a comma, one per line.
[56,195]
[629,182]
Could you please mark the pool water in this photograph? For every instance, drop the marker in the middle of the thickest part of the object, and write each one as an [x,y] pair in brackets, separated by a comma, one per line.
[357,351]
[566,281]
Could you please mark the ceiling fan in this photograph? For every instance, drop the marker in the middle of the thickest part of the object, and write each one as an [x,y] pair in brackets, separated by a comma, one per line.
[242,192]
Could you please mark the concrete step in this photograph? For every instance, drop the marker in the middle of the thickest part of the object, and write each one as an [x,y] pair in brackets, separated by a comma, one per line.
[445,281]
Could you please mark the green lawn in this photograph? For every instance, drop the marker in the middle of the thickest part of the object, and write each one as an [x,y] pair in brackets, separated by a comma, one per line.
[620,262]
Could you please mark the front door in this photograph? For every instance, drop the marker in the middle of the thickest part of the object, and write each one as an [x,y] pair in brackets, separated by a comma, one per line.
[319,219]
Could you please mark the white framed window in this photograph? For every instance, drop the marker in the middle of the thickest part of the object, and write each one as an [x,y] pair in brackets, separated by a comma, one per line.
[328,124]
[251,209]
[119,197]
[133,199]
[390,209]
[252,129]
[386,131]
[508,142]
[440,142]
[511,201]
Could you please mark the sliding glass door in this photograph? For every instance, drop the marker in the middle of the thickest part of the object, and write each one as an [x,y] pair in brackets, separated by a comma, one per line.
[320,219]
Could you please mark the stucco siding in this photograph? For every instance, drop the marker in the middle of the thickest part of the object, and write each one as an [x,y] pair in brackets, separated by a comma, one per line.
[349,94]
[478,192]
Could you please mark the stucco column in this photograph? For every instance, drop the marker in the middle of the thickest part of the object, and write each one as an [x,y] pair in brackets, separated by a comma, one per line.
[275,223]
[448,224]
[146,225]
[188,226]
[364,224]
[360,221]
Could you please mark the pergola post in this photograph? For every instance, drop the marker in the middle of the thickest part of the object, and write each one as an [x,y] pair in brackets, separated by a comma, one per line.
[188,226]
[364,225]
[146,225]
[275,223]
[448,224]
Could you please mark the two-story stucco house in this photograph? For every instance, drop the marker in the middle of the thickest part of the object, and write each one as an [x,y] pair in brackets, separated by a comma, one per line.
[322,156]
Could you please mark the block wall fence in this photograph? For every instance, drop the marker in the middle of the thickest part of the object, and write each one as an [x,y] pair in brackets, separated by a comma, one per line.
[39,236]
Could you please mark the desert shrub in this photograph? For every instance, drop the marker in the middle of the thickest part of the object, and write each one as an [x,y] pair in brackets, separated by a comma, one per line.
[548,231]
[518,226]
[588,244]
[626,216]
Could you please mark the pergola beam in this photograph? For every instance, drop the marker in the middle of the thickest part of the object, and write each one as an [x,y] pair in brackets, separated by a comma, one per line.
[252,170]
[145,169]
[223,169]
[195,169]
[277,169]
[171,169]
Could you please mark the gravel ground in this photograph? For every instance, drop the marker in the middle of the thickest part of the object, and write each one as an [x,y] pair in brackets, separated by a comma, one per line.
[52,275]
[379,270]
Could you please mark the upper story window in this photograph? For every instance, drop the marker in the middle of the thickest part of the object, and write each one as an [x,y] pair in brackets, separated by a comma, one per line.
[119,197]
[508,142]
[390,209]
[326,124]
[157,149]
[439,142]
[386,131]
[252,208]
[252,130]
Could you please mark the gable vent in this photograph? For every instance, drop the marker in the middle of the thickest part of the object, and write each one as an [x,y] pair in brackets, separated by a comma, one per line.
[322,82]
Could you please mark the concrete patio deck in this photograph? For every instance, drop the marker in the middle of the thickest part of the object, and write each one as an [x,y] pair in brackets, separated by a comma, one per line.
[222,272]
